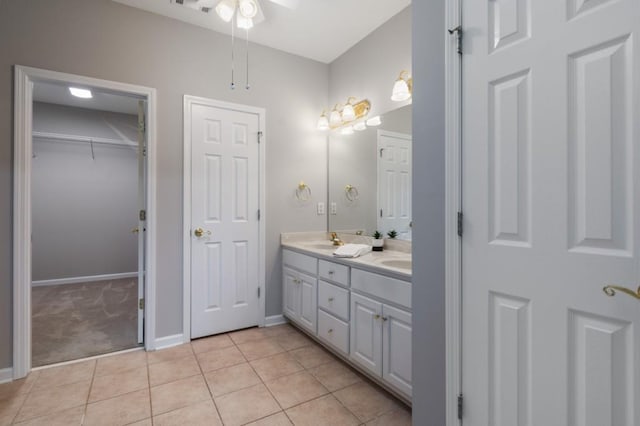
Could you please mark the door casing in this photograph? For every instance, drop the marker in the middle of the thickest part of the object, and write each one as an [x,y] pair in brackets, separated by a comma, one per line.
[189,101]
[24,77]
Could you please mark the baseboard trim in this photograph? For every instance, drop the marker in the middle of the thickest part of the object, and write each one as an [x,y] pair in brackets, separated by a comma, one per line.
[169,341]
[6,375]
[275,320]
[91,278]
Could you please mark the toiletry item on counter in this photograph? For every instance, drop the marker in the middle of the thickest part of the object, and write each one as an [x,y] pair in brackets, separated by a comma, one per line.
[352,250]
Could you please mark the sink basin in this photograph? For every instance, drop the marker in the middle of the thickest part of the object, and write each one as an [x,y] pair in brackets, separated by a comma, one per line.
[396,263]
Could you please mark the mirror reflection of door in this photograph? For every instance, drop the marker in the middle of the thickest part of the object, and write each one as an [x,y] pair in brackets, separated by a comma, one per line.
[88,188]
[394,183]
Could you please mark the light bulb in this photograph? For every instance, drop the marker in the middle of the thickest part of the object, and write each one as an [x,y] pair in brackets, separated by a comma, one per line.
[360,126]
[248,8]
[80,93]
[225,10]
[244,23]
[400,91]
[334,118]
[347,130]
[323,122]
[348,114]
[374,121]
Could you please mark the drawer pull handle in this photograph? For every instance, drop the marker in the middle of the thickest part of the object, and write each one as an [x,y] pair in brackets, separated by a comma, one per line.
[384,318]
[331,299]
[330,330]
[331,272]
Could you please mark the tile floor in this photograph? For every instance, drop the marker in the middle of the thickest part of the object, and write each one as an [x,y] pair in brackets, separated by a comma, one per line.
[271,376]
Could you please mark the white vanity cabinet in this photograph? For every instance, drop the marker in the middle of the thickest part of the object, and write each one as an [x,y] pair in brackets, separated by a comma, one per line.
[362,315]
[300,285]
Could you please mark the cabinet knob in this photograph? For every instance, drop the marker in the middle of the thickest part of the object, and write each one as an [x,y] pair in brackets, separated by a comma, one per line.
[331,272]
[376,316]
[330,330]
[331,299]
[384,318]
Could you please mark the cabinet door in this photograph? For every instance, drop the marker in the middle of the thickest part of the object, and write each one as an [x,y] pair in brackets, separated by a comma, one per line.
[366,333]
[396,343]
[291,294]
[308,301]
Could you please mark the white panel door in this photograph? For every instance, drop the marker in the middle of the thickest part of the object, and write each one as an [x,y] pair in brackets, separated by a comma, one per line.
[551,206]
[396,345]
[366,333]
[394,183]
[142,206]
[224,220]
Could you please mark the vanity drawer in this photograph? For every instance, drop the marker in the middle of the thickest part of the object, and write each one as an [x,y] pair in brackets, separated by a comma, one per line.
[334,272]
[333,299]
[333,331]
[300,261]
[387,288]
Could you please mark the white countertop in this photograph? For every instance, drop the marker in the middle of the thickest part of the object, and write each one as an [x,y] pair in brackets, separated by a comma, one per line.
[385,262]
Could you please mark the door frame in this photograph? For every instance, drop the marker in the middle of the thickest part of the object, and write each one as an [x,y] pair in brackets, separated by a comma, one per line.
[24,78]
[453,206]
[189,102]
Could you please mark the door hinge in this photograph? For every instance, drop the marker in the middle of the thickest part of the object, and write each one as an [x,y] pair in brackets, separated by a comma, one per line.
[259,136]
[258,292]
[460,218]
[458,32]
[140,303]
[460,406]
[259,214]
[143,215]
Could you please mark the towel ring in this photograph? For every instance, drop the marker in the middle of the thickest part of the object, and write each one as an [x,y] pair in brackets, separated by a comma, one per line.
[351,192]
[303,192]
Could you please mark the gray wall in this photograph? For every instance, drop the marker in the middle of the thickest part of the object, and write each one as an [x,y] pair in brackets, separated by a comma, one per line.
[428,213]
[369,69]
[83,207]
[107,40]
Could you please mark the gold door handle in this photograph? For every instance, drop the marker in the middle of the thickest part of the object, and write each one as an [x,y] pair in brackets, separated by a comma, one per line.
[199,232]
[610,290]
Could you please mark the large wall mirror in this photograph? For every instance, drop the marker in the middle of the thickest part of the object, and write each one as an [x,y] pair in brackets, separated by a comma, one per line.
[370,177]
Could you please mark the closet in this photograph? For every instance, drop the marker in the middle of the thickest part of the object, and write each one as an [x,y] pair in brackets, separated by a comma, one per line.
[85,202]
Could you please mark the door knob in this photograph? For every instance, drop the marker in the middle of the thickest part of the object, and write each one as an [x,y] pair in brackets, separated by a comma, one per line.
[610,290]
[199,232]
[135,230]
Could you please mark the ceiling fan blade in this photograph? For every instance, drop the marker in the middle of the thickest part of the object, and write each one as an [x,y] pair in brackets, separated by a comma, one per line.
[290,4]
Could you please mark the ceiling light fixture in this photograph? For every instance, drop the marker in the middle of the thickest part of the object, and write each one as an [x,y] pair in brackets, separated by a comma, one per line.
[81,93]
[226,9]
[248,8]
[374,121]
[402,88]
[348,118]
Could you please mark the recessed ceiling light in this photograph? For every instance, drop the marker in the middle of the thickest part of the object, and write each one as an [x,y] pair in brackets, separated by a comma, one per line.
[80,93]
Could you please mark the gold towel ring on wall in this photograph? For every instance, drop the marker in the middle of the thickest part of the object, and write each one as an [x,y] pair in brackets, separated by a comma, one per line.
[303,192]
[351,192]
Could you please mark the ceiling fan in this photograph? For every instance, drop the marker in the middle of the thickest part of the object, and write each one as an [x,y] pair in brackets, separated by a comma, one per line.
[247,12]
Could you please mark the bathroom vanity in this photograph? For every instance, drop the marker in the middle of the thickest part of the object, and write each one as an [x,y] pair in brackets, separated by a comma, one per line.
[358,308]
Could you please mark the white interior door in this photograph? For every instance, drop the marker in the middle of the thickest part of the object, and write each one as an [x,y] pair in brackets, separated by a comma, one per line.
[551,205]
[142,203]
[394,183]
[225,282]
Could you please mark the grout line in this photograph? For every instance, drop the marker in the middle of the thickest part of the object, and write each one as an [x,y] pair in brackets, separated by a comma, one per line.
[146,363]
[206,383]
[86,404]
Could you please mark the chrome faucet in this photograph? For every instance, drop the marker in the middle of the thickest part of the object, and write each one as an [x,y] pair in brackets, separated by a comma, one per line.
[335,239]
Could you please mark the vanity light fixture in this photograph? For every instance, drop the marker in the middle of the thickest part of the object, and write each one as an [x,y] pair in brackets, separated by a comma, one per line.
[348,117]
[323,121]
[403,87]
[360,126]
[374,121]
[81,93]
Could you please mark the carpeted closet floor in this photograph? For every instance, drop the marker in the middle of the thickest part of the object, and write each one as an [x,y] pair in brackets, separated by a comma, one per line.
[73,321]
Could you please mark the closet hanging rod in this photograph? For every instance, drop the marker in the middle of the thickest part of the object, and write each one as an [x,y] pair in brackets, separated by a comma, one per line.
[74,138]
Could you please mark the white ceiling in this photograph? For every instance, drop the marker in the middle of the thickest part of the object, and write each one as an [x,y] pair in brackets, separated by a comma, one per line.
[59,94]
[318,29]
